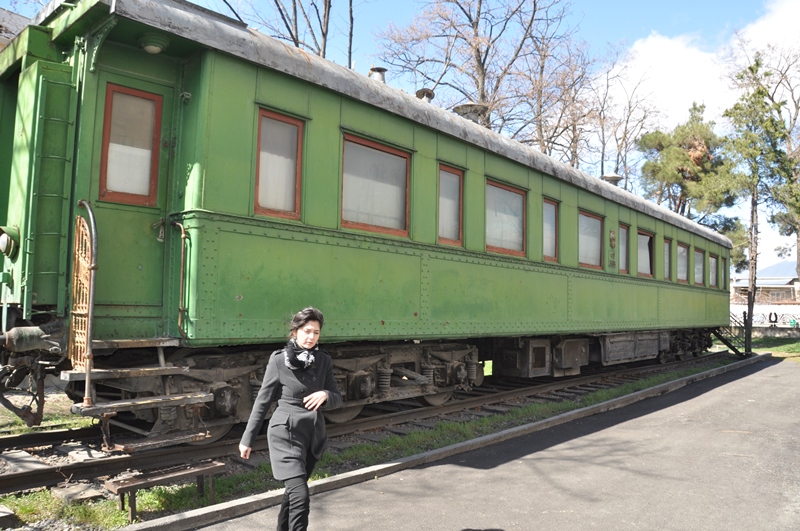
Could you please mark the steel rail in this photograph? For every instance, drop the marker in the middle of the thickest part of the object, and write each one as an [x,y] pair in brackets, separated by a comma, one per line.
[165,457]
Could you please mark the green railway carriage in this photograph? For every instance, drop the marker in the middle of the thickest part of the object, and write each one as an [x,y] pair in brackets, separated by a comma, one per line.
[173,186]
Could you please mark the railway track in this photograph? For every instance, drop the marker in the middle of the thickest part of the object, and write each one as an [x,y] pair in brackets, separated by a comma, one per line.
[494,396]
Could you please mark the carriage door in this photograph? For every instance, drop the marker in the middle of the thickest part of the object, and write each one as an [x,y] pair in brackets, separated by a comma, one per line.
[130,207]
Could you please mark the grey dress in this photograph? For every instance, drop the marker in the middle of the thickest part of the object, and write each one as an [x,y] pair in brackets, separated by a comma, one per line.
[293,431]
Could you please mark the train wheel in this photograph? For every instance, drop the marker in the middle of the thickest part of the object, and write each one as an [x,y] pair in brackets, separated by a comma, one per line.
[343,414]
[435,400]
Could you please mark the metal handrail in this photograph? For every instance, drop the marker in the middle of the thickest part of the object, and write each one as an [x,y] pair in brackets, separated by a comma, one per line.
[87,394]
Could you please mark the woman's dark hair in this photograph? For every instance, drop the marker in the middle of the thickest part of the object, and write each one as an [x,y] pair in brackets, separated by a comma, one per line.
[305,315]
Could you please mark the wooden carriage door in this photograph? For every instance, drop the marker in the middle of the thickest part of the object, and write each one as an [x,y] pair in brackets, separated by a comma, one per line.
[130,206]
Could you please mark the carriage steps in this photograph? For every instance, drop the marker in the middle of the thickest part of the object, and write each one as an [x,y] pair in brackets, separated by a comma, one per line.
[732,336]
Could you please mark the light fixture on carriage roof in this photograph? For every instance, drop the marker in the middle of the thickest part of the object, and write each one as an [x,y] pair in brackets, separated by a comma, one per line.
[612,178]
[425,94]
[153,43]
[378,73]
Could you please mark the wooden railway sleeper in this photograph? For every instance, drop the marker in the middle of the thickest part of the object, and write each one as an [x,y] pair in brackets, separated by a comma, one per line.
[131,485]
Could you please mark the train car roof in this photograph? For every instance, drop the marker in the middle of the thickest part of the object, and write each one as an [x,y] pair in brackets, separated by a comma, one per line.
[230,36]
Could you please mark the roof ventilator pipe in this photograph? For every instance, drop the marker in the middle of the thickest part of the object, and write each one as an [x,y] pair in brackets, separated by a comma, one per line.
[612,178]
[378,73]
[425,94]
[472,111]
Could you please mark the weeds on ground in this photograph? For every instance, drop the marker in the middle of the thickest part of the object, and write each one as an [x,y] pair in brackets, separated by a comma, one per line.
[164,500]
[781,347]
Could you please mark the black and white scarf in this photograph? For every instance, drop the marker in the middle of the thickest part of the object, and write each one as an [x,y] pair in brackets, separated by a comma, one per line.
[296,357]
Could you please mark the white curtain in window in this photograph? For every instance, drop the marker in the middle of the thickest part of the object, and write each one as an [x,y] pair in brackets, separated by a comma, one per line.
[277,165]
[698,267]
[504,216]
[374,187]
[130,148]
[589,240]
[645,266]
[683,263]
[549,232]
[449,205]
[623,248]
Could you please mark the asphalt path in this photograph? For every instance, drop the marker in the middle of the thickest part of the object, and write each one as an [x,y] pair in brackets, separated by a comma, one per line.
[718,454]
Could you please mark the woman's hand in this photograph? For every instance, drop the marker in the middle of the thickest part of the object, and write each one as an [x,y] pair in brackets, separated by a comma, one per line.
[313,401]
[245,451]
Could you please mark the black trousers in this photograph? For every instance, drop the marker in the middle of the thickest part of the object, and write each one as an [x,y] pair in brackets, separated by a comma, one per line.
[296,503]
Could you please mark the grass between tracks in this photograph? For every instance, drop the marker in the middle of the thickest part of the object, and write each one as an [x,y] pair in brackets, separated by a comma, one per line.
[161,501]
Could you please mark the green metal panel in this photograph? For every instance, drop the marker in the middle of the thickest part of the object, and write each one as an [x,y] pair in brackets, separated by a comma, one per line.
[424,207]
[506,171]
[475,201]
[322,162]
[377,124]
[284,93]
[8,101]
[451,151]
[41,181]
[230,166]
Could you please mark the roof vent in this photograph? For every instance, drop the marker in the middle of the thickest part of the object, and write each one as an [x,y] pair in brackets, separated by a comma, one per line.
[612,178]
[378,73]
[425,94]
[472,111]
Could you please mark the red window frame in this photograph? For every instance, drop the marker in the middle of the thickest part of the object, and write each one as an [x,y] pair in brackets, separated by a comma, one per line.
[460,173]
[650,250]
[124,197]
[258,209]
[523,193]
[386,149]
[602,242]
[547,257]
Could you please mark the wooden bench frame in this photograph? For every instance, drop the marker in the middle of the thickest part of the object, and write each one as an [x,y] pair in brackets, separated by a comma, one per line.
[132,484]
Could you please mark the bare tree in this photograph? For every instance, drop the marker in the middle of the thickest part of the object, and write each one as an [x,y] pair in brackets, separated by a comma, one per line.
[552,97]
[620,115]
[470,51]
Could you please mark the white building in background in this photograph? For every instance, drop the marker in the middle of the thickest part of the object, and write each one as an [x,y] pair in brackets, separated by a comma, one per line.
[10,26]
[777,295]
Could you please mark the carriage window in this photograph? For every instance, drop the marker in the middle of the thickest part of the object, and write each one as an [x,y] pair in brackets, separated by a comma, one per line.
[278,168]
[375,187]
[550,231]
[645,254]
[131,139]
[724,273]
[505,219]
[712,271]
[699,263]
[590,240]
[683,263]
[450,203]
[667,256]
[623,248]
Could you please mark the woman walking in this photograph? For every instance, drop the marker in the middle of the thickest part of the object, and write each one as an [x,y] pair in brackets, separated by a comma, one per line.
[300,378]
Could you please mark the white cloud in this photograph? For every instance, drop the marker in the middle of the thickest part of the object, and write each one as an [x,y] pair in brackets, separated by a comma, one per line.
[676,73]
[777,27]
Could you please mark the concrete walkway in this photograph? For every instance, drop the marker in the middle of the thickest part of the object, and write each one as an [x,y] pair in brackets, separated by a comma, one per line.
[719,454]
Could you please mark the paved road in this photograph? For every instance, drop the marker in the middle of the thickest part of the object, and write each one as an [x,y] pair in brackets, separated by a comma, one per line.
[720,454]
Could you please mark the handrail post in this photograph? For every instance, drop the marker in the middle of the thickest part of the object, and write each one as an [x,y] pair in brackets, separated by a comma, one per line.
[87,395]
